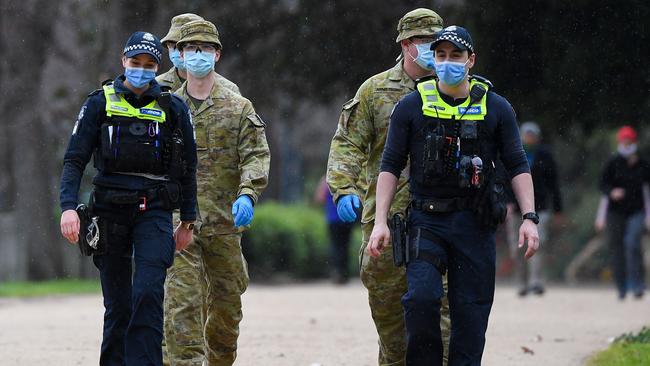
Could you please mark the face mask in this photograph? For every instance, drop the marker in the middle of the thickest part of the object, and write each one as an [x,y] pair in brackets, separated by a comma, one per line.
[451,73]
[425,58]
[199,64]
[175,58]
[626,150]
[138,76]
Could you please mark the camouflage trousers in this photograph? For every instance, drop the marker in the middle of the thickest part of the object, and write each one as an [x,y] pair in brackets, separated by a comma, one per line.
[386,285]
[203,302]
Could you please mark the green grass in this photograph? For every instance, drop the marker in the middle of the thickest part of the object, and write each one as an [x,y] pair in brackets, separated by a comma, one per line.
[629,349]
[623,354]
[46,288]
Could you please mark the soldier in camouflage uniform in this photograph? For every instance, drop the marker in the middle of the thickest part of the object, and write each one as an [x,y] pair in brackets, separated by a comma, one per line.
[208,278]
[178,74]
[359,141]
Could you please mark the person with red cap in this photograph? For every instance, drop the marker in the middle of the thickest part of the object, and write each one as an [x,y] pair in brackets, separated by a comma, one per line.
[624,209]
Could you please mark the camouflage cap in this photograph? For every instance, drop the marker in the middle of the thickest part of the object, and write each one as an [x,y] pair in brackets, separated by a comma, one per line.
[418,22]
[174,33]
[199,31]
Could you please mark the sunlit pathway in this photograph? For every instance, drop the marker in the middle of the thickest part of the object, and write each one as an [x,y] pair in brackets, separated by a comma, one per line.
[319,324]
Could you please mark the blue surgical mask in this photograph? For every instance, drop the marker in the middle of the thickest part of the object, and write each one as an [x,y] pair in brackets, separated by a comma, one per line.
[199,64]
[175,58]
[425,58]
[138,76]
[451,73]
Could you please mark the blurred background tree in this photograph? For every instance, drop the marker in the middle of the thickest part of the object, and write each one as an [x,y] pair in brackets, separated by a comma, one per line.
[577,68]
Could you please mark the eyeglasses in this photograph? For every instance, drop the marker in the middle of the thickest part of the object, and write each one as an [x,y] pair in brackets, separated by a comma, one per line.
[196,47]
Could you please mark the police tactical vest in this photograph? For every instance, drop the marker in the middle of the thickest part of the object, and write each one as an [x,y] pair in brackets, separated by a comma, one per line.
[452,137]
[133,140]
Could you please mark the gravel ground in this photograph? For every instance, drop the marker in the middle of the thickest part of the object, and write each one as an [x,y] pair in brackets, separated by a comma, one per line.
[324,325]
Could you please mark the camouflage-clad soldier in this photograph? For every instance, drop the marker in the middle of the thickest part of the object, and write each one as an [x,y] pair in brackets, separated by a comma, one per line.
[233,167]
[359,142]
[178,74]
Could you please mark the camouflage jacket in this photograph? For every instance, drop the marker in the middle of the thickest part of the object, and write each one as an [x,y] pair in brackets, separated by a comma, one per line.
[233,155]
[360,137]
[172,80]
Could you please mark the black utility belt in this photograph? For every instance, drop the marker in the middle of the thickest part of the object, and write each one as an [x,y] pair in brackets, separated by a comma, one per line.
[167,195]
[442,204]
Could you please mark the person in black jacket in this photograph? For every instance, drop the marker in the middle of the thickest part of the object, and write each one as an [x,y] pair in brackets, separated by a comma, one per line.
[623,180]
[142,141]
[529,274]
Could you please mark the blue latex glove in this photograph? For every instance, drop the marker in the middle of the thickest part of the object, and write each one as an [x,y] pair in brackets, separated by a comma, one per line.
[346,207]
[242,211]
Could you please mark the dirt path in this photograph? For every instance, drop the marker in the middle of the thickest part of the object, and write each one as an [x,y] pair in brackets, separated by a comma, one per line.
[323,325]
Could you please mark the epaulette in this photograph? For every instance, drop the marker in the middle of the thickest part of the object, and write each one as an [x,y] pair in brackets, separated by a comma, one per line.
[107,81]
[423,79]
[94,92]
[482,79]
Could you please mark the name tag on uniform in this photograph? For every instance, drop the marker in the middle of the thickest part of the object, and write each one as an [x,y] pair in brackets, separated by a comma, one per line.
[470,110]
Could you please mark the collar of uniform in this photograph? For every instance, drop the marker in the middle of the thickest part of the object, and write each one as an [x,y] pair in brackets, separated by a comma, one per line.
[170,76]
[153,90]
[398,74]
[216,93]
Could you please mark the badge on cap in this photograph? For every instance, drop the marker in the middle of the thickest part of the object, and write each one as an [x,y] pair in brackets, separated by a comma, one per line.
[149,37]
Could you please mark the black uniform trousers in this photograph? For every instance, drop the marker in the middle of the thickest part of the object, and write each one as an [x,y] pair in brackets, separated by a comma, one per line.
[469,252]
[132,276]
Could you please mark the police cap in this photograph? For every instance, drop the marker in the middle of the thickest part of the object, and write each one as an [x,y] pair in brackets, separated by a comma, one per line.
[458,36]
[143,42]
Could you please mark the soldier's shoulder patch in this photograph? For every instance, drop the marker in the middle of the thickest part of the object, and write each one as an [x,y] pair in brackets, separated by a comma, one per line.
[256,120]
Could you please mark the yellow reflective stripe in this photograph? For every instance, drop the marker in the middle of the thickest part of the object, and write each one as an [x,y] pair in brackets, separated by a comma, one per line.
[434,106]
[116,105]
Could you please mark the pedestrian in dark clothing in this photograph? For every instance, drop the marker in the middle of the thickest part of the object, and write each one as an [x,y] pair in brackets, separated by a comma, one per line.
[529,274]
[622,182]
[339,235]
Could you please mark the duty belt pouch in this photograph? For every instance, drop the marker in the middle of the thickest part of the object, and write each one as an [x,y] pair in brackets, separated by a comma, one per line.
[118,205]
[399,240]
[497,203]
[170,195]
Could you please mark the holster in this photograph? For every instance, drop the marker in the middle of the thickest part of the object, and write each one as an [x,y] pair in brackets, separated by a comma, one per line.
[399,234]
[415,252]
[91,227]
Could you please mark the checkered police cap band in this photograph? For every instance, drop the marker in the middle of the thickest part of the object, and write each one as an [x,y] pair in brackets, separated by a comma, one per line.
[143,47]
[452,37]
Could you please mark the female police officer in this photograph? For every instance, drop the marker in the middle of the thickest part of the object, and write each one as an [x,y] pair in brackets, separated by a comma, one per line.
[453,131]
[144,151]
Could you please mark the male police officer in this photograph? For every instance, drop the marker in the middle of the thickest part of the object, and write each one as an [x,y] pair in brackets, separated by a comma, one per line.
[233,167]
[359,141]
[137,135]
[178,73]
[452,131]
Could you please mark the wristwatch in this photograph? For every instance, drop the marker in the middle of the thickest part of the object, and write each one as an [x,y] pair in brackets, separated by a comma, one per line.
[189,225]
[532,216]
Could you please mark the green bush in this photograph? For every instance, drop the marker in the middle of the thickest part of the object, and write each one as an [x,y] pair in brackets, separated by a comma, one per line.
[290,240]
